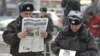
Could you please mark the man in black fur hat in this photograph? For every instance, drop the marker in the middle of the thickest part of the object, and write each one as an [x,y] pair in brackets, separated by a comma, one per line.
[75,37]
[44,14]
[13,32]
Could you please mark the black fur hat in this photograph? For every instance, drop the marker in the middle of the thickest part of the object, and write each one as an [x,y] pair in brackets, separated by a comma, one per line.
[43,9]
[25,7]
[75,17]
[75,20]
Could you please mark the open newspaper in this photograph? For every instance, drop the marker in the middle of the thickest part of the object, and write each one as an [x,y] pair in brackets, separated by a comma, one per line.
[67,52]
[33,42]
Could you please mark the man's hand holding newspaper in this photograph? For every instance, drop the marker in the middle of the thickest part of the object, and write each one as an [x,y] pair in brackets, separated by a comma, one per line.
[44,34]
[24,34]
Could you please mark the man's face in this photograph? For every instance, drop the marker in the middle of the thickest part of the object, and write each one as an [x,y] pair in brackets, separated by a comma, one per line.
[26,14]
[90,17]
[42,13]
[75,28]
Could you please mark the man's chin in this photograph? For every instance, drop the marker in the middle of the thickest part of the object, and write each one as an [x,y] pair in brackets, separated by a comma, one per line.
[74,30]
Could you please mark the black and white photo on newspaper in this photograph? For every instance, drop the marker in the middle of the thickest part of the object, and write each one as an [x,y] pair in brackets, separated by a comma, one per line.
[64,52]
[33,42]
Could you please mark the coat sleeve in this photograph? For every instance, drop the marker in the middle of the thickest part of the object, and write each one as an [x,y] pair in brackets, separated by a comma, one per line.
[10,35]
[49,30]
[55,48]
[91,49]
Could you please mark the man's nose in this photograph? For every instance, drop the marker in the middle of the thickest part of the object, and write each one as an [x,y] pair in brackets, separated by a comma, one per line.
[29,15]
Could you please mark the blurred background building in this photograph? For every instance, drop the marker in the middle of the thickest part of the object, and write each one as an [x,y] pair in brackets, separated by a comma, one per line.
[9,7]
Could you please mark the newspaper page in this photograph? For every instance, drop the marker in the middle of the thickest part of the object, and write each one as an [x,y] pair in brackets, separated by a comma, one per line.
[33,42]
[67,52]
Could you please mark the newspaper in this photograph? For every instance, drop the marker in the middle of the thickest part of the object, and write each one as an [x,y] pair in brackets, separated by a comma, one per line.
[33,42]
[67,52]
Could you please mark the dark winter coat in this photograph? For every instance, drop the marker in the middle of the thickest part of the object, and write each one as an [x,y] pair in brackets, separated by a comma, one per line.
[64,3]
[81,42]
[70,5]
[11,38]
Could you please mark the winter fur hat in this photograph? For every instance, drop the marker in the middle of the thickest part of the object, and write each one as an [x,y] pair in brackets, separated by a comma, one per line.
[25,7]
[75,17]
